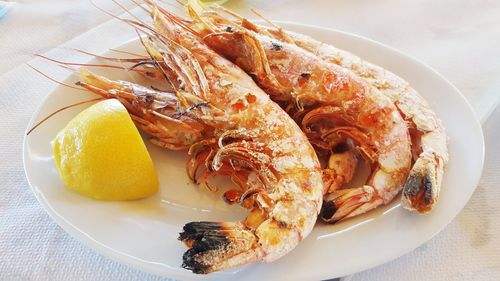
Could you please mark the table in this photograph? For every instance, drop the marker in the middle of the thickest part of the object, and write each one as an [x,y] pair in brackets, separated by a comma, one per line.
[456,38]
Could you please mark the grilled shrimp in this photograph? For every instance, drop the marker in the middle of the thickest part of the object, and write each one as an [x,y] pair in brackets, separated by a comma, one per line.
[332,105]
[429,141]
[231,128]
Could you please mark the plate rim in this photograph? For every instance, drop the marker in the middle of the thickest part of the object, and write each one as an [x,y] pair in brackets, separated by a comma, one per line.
[147,267]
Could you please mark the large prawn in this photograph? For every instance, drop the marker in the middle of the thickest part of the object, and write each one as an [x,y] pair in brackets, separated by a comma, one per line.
[429,140]
[331,104]
[231,127]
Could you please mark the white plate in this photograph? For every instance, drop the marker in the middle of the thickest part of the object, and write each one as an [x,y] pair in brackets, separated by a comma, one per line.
[143,234]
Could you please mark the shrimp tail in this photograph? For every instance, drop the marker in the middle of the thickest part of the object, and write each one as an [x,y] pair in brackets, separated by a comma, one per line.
[215,246]
[422,187]
[349,202]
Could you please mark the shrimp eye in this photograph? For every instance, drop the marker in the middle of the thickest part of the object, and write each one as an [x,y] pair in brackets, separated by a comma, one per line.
[328,210]
[276,46]
[340,148]
[305,75]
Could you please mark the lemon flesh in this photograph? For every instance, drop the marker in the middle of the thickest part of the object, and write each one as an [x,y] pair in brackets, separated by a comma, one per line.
[101,154]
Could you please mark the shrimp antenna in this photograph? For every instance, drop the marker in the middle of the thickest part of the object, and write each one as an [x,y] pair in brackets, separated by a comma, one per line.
[80,64]
[195,10]
[62,109]
[141,6]
[244,22]
[279,29]
[64,64]
[134,60]
[136,24]
[104,11]
[141,63]
[52,79]
[127,53]
[263,18]
[136,57]
[154,61]
[179,3]
[229,12]
[128,10]
[128,21]
[174,18]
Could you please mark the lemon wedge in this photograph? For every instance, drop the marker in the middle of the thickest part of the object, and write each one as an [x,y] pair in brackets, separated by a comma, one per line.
[101,154]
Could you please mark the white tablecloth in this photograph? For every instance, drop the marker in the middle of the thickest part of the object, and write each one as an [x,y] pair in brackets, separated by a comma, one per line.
[457,38]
